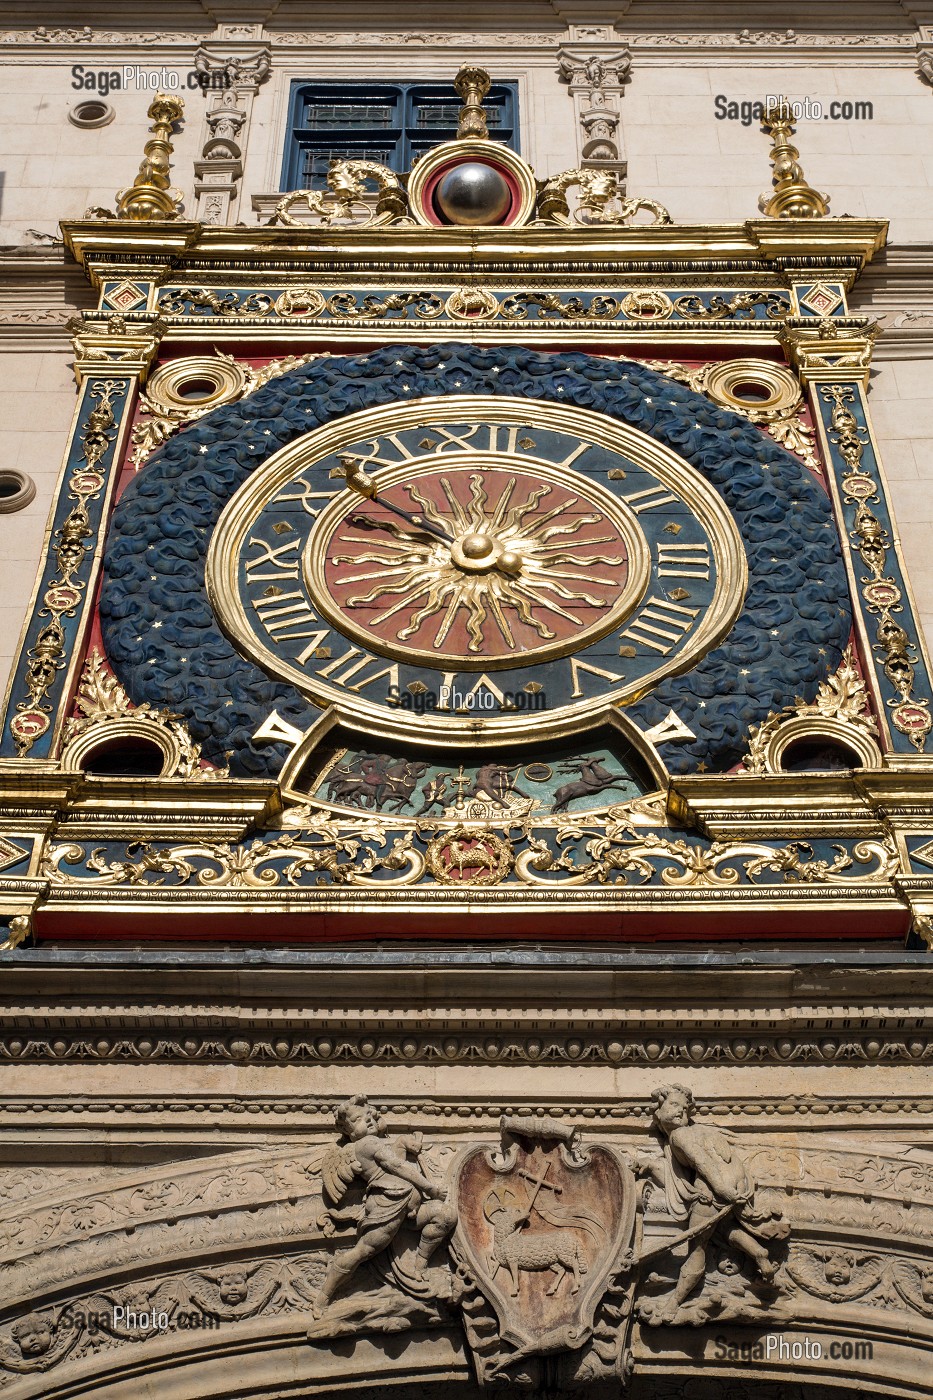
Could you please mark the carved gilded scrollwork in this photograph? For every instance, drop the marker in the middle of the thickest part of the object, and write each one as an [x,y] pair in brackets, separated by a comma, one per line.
[780,409]
[64,593]
[608,850]
[164,408]
[346,200]
[106,713]
[427,305]
[741,305]
[601,201]
[178,302]
[872,541]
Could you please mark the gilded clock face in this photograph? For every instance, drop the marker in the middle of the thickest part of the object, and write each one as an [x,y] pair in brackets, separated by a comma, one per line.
[508,559]
[476,559]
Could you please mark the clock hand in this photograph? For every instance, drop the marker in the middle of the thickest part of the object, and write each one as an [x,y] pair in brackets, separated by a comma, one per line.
[364,485]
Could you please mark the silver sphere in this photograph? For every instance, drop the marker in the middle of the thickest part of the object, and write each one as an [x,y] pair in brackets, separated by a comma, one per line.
[473,193]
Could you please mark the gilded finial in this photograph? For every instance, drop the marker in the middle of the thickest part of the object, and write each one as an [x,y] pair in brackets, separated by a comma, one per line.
[793,198]
[149,196]
[471,86]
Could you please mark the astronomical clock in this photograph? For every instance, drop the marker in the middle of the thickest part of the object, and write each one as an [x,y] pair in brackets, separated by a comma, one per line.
[459,583]
[520,545]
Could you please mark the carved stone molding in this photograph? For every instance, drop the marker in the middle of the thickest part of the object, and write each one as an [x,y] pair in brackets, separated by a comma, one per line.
[169,1043]
[232,71]
[596,84]
[925,64]
[564,1269]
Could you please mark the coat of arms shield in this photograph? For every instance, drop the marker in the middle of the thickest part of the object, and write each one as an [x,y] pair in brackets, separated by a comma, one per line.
[545,1244]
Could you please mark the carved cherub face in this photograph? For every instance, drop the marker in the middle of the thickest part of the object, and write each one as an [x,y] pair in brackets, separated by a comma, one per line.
[926,1285]
[33,1335]
[728,1265]
[233,1286]
[672,1111]
[838,1267]
[344,182]
[360,1120]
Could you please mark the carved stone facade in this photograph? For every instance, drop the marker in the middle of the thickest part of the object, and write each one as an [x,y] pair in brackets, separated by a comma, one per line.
[232,72]
[596,83]
[466,782]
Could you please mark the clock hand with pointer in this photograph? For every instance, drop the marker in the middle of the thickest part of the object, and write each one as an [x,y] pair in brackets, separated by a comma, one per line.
[474,552]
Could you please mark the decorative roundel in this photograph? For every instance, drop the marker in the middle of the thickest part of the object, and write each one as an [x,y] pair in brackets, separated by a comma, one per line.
[759,386]
[196,381]
[596,429]
[470,184]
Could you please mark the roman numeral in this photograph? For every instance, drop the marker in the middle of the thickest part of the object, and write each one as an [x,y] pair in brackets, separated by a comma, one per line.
[650,498]
[511,437]
[578,451]
[577,666]
[458,441]
[683,560]
[352,667]
[274,555]
[283,616]
[305,495]
[676,622]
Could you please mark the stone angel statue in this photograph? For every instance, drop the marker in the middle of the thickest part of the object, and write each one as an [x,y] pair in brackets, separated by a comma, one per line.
[710,1191]
[377,1185]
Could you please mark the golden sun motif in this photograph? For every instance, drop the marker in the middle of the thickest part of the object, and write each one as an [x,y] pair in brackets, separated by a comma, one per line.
[493,562]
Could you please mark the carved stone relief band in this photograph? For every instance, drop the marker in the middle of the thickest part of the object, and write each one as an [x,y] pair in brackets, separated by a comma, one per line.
[561,1251]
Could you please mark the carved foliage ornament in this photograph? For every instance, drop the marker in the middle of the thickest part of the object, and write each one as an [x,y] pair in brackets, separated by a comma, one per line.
[778,405]
[883,597]
[64,592]
[839,713]
[106,713]
[165,407]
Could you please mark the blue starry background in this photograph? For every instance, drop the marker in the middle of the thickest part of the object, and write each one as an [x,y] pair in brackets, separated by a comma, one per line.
[167,648]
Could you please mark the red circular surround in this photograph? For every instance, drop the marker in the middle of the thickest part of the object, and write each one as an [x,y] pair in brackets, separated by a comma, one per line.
[427,194]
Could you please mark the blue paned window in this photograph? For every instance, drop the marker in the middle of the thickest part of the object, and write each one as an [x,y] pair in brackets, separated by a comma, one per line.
[392,123]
